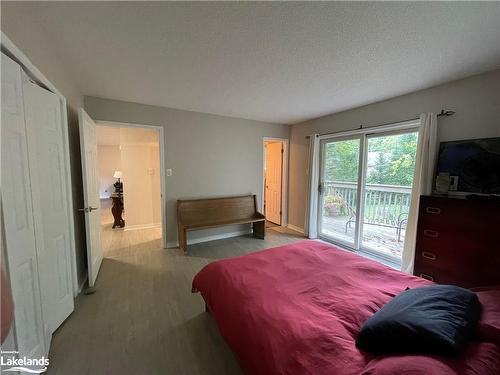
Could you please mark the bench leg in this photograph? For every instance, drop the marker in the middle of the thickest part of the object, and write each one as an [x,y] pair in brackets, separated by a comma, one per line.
[259,229]
[182,238]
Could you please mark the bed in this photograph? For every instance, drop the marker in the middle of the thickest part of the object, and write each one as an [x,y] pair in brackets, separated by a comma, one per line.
[296,309]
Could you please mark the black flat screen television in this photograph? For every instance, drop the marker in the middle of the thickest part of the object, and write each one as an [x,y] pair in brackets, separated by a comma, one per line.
[475,162]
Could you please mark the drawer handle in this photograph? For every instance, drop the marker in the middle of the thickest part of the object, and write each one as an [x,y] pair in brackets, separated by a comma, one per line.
[431,233]
[433,210]
[428,255]
[427,277]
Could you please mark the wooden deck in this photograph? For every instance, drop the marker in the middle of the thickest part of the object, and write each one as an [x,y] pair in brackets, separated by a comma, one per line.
[375,237]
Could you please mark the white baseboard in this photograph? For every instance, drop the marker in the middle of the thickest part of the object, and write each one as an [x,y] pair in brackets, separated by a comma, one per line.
[142,226]
[295,228]
[213,237]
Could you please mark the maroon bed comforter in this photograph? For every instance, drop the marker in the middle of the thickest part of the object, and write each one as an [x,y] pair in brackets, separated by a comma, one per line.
[296,309]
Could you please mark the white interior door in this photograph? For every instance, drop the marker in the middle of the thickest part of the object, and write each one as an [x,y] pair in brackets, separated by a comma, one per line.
[18,217]
[47,163]
[88,145]
[274,169]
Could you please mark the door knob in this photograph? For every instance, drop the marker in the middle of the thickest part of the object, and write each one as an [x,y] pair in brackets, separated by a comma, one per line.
[88,209]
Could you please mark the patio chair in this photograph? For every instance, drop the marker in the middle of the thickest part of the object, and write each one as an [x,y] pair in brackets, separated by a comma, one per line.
[352,217]
[402,221]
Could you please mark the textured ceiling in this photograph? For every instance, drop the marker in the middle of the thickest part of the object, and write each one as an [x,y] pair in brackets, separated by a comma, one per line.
[278,62]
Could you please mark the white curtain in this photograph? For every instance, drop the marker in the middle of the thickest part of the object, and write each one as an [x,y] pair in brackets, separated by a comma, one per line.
[311,219]
[422,183]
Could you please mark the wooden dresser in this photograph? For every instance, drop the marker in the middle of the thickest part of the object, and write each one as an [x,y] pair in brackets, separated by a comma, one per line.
[458,241]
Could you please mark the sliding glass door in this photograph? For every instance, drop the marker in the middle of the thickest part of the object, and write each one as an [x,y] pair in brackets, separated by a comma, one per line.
[388,178]
[378,168]
[339,189]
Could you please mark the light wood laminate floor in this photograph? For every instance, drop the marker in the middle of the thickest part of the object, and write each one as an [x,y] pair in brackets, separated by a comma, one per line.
[143,319]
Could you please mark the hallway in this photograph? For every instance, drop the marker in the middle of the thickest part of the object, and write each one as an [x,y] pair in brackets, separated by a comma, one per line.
[118,242]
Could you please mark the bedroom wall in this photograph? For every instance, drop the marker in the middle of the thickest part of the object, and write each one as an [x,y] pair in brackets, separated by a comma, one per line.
[108,161]
[476,101]
[209,155]
[30,38]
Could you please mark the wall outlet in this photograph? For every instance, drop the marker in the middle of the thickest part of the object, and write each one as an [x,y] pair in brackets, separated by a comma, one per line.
[169,172]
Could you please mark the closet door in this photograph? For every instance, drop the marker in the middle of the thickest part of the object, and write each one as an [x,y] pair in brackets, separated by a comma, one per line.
[50,203]
[18,216]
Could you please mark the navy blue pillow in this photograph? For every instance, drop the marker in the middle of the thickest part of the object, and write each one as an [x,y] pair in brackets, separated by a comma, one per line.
[437,319]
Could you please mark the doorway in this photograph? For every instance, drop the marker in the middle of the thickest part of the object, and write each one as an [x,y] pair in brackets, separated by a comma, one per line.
[130,186]
[365,190]
[274,178]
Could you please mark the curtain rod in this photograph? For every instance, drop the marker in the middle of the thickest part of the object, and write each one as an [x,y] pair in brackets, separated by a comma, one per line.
[443,113]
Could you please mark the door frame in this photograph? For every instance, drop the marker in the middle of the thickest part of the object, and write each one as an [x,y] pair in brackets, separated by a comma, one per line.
[284,177]
[11,50]
[161,140]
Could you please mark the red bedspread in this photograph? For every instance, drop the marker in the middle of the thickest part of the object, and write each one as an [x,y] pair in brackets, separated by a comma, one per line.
[296,309]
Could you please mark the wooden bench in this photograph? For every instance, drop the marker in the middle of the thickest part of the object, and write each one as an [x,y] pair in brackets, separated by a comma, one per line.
[217,212]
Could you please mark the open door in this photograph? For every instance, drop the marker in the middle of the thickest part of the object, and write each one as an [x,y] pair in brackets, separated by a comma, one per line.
[88,147]
[273,182]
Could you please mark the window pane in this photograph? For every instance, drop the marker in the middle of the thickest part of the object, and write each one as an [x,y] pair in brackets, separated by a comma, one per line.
[340,163]
[389,178]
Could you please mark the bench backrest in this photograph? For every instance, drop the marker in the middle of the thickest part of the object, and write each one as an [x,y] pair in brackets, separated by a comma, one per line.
[216,209]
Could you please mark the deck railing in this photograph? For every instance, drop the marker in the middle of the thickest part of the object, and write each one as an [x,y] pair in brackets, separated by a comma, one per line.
[384,204]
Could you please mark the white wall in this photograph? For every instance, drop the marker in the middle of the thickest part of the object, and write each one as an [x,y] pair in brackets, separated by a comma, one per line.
[108,161]
[209,155]
[141,177]
[476,101]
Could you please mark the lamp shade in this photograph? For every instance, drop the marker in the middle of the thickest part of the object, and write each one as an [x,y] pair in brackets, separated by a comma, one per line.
[118,174]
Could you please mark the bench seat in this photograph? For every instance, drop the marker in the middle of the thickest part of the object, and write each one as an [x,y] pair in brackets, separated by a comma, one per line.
[197,214]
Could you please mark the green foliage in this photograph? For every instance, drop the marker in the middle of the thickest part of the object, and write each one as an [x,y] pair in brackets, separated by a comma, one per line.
[342,159]
[394,162]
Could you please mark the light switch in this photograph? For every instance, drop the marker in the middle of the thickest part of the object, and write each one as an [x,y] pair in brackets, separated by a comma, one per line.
[169,172]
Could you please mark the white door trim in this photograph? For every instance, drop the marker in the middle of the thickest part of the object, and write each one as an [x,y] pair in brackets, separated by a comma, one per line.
[163,200]
[16,54]
[284,177]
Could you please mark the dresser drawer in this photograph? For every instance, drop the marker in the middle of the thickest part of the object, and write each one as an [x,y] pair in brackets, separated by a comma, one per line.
[440,276]
[450,250]
[451,218]
[468,276]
